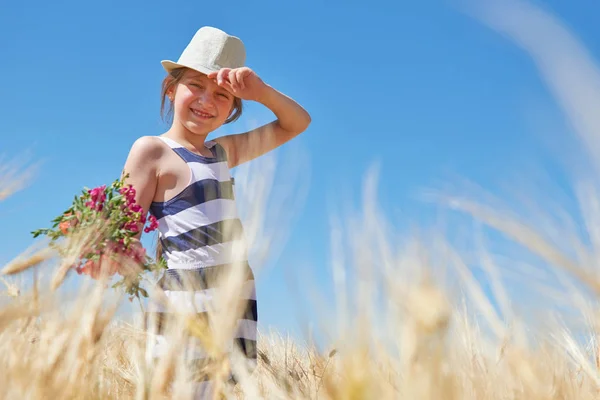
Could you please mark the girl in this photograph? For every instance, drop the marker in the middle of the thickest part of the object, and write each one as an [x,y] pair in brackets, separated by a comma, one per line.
[184,180]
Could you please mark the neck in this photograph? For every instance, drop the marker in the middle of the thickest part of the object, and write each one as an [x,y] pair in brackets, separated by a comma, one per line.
[182,135]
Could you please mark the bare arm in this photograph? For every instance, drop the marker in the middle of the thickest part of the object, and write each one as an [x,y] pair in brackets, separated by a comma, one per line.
[291,120]
[142,167]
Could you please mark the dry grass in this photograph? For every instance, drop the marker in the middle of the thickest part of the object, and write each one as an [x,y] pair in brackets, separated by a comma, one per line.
[404,335]
[411,320]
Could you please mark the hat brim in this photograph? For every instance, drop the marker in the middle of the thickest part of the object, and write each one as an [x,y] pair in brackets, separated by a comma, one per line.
[169,66]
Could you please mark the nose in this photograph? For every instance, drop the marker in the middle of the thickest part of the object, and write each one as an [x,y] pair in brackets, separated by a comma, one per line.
[205,99]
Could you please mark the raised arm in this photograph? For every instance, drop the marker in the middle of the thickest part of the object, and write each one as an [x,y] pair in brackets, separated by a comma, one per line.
[291,120]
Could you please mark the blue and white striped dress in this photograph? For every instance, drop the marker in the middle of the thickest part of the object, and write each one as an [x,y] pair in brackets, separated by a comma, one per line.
[202,239]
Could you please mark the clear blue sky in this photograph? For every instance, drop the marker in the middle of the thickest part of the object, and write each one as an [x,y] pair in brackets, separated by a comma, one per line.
[418,87]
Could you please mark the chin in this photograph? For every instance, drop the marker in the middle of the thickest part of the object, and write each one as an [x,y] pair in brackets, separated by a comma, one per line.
[199,131]
[195,129]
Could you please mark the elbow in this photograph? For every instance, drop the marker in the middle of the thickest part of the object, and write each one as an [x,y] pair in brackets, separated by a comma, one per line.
[307,121]
[296,126]
[303,123]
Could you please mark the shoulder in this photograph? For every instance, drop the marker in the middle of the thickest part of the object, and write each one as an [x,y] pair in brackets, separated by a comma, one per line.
[147,147]
[146,153]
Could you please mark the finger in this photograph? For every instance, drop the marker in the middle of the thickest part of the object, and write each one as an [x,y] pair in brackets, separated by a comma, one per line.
[223,75]
[233,80]
[212,75]
[225,84]
[240,74]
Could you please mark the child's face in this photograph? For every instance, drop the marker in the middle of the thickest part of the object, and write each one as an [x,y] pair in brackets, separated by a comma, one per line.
[200,104]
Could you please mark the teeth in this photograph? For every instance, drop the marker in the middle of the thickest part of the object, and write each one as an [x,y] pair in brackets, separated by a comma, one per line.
[202,114]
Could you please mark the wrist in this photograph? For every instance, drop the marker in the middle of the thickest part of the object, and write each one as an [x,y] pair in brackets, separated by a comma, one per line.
[265,95]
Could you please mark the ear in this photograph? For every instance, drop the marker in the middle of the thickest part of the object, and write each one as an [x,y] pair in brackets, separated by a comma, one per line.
[171,90]
[171,93]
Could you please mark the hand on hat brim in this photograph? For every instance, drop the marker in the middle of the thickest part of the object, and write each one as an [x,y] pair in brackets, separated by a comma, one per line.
[241,82]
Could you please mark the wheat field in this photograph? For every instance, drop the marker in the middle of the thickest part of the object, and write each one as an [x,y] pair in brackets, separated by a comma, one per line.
[412,318]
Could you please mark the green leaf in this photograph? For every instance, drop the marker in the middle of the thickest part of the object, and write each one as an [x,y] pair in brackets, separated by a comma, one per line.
[39,232]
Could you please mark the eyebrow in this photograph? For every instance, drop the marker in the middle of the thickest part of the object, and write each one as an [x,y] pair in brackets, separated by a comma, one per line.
[202,79]
[195,78]
[198,78]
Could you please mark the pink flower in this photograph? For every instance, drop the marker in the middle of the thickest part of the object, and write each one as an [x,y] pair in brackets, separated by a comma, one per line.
[91,268]
[153,224]
[137,252]
[98,194]
[97,198]
[132,226]
[129,194]
[123,217]
[113,247]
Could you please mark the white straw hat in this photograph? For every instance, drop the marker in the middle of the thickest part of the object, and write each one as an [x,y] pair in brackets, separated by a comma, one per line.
[210,50]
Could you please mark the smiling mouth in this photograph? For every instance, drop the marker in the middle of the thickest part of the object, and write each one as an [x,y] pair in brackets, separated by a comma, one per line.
[201,114]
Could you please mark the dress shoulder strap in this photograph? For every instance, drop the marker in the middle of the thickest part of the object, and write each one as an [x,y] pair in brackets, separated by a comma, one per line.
[218,150]
[218,153]
[170,142]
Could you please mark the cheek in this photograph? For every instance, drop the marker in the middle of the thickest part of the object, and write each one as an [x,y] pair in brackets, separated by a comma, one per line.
[182,101]
[225,109]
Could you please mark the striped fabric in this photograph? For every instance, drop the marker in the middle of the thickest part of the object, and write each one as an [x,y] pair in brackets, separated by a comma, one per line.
[203,241]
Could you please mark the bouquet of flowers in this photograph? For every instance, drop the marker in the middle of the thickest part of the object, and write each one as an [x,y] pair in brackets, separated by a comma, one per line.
[104,222]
